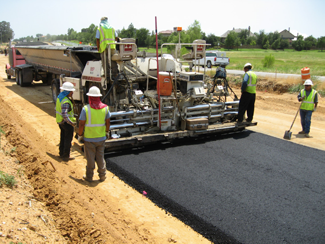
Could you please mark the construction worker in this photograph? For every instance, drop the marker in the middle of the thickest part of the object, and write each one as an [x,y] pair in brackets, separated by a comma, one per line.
[66,120]
[309,99]
[248,95]
[94,123]
[106,34]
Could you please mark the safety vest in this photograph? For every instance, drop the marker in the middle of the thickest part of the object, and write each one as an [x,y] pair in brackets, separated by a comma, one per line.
[308,102]
[251,83]
[95,126]
[59,117]
[106,36]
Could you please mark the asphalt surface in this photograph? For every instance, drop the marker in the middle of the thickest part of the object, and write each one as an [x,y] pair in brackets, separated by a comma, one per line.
[245,187]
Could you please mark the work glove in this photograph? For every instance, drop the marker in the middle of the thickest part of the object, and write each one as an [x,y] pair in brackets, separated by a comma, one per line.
[81,139]
[107,135]
[314,110]
[302,98]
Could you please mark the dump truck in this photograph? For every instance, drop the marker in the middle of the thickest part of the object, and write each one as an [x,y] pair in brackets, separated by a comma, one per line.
[152,99]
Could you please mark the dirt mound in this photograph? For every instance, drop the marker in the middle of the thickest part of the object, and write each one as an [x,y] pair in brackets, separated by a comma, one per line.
[263,84]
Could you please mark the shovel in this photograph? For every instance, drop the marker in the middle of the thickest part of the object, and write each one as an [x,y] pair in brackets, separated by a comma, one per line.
[288,133]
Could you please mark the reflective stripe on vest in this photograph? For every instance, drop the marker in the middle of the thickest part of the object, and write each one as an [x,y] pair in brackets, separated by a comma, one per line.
[93,127]
[59,117]
[251,83]
[308,102]
[106,36]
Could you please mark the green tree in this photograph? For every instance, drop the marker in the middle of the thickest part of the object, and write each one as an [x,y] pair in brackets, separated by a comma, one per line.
[321,43]
[272,37]
[237,42]
[284,43]
[130,32]
[276,44]
[142,35]
[299,44]
[230,40]
[266,44]
[194,31]
[6,32]
[211,39]
[308,45]
[260,37]
[243,36]
[312,40]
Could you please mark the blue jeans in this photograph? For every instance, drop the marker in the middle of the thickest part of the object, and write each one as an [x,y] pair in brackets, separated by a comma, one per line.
[305,117]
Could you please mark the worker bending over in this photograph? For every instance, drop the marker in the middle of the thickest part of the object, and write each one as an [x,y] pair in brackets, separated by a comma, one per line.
[309,99]
[248,95]
[94,123]
[66,120]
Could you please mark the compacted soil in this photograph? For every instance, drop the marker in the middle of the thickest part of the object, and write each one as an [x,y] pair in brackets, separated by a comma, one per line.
[50,203]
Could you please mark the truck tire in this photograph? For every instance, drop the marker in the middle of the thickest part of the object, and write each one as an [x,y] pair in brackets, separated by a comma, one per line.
[55,87]
[21,79]
[209,64]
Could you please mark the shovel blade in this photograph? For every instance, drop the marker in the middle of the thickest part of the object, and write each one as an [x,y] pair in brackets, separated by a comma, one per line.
[287,135]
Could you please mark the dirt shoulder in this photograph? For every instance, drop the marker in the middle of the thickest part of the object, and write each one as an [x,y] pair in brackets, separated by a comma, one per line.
[275,110]
[111,211]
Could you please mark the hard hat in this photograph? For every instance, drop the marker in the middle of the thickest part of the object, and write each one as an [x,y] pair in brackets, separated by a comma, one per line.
[94,92]
[67,86]
[308,83]
[247,64]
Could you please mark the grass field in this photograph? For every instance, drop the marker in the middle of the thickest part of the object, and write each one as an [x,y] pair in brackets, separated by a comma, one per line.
[288,61]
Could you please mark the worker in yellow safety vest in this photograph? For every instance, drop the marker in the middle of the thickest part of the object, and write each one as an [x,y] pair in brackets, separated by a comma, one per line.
[94,123]
[105,35]
[248,95]
[65,119]
[309,100]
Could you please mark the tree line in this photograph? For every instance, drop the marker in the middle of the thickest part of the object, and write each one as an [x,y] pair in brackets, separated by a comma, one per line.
[145,38]
[272,40]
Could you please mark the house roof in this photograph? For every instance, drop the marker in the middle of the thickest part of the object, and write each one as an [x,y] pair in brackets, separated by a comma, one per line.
[237,30]
[287,34]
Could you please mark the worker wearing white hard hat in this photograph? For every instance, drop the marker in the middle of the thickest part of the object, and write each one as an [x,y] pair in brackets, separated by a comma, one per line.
[94,123]
[248,95]
[309,100]
[66,120]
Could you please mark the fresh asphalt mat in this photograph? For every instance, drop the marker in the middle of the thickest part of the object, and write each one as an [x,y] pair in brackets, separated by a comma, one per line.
[243,187]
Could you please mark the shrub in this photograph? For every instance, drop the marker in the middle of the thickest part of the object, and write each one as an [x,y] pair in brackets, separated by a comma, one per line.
[6,179]
[268,61]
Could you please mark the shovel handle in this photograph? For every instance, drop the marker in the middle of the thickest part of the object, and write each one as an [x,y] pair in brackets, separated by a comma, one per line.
[295,118]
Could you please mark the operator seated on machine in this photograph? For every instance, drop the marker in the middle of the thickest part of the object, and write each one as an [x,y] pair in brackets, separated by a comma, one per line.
[106,34]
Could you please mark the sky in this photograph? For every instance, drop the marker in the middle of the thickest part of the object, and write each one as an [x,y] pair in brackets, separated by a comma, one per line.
[28,18]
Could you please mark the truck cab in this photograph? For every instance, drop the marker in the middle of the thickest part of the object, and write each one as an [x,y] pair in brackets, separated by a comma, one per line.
[213,58]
